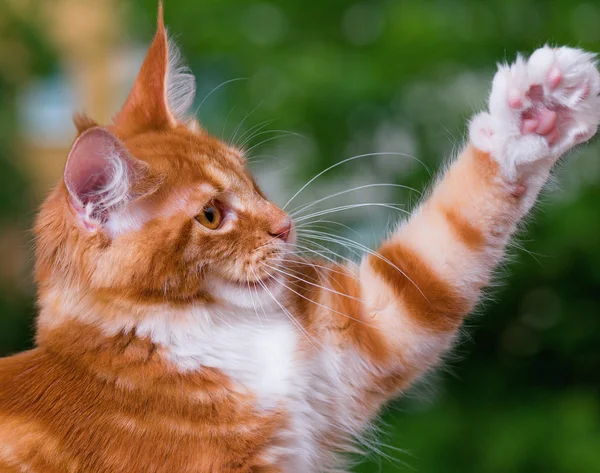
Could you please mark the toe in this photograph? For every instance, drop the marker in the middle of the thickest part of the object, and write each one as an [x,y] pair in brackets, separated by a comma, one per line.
[547,121]
[529,125]
[554,77]
[553,136]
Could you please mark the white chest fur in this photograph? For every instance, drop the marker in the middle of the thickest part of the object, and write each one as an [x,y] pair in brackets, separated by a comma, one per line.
[260,354]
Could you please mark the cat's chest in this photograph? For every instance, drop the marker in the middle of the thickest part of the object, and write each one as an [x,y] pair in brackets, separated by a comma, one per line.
[269,358]
[258,353]
[259,357]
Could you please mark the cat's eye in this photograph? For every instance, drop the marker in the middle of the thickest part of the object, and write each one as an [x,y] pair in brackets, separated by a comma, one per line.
[210,217]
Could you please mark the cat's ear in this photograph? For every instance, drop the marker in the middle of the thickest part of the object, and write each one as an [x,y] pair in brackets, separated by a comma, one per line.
[163,91]
[100,176]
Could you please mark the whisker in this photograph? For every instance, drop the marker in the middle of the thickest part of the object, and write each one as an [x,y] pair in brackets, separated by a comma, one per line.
[290,316]
[352,159]
[269,241]
[324,248]
[307,224]
[254,158]
[251,290]
[306,262]
[322,253]
[296,271]
[302,208]
[307,234]
[259,133]
[252,130]
[529,252]
[225,123]
[283,135]
[352,206]
[217,88]
[261,304]
[237,128]
[325,288]
[326,307]
[309,238]
[336,239]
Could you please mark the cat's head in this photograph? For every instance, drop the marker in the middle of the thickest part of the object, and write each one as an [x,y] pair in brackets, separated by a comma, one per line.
[152,208]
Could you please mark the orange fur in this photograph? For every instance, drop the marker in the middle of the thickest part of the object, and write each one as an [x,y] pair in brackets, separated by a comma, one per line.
[82,402]
[86,402]
[433,302]
[128,290]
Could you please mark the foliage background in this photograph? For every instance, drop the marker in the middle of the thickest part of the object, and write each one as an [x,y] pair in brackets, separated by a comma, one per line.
[521,393]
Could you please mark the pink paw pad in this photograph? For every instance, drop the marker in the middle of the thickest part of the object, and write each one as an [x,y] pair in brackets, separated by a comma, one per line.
[547,120]
[554,77]
[553,136]
[541,121]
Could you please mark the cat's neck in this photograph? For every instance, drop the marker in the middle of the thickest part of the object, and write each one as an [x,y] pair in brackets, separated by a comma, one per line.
[106,336]
[79,324]
[62,305]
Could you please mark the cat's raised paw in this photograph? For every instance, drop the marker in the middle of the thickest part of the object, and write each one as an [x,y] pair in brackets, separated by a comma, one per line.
[539,108]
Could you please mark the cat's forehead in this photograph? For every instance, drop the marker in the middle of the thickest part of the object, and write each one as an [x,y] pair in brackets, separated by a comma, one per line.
[187,159]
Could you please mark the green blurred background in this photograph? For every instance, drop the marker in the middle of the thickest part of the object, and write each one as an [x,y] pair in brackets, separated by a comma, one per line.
[329,80]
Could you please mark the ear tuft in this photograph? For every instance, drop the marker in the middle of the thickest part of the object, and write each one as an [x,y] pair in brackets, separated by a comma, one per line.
[163,90]
[181,83]
[99,176]
[83,123]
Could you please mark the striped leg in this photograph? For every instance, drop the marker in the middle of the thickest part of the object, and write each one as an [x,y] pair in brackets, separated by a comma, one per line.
[432,269]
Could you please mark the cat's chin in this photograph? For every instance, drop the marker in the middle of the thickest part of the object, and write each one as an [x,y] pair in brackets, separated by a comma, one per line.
[249,294]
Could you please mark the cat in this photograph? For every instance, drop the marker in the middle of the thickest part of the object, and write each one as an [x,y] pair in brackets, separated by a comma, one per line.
[177,330]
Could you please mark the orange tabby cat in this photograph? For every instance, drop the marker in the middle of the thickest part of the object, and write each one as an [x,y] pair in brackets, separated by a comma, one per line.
[177,331]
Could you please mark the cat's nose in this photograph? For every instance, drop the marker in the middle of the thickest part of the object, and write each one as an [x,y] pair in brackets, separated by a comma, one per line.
[283,229]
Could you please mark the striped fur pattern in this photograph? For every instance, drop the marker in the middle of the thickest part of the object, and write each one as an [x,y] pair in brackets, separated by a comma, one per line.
[164,346]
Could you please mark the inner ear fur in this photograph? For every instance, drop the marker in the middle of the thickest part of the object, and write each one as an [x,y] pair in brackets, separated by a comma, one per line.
[100,175]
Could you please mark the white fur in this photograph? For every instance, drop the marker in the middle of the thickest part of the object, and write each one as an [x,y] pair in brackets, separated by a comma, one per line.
[498,130]
[265,355]
[126,220]
[115,193]
[115,199]
[255,349]
[181,84]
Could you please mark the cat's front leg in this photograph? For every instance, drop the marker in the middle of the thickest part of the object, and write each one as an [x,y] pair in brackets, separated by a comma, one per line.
[430,273]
